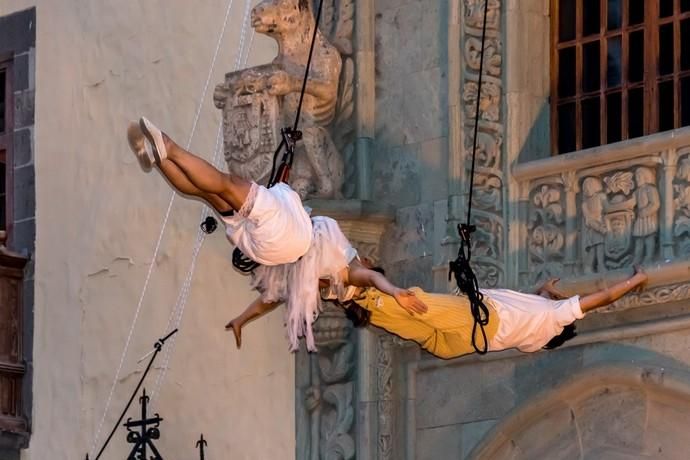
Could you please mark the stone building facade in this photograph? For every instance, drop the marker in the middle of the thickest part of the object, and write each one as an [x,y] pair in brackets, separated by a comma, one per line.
[619,389]
[398,131]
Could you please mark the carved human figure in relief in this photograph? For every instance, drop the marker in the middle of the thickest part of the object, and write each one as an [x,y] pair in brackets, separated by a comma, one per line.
[593,209]
[647,218]
[318,169]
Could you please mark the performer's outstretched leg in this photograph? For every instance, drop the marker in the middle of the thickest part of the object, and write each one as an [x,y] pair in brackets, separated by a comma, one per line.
[613,293]
[175,176]
[181,182]
[186,172]
[204,176]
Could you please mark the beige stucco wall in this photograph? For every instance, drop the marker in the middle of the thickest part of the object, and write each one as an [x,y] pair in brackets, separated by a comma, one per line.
[99,64]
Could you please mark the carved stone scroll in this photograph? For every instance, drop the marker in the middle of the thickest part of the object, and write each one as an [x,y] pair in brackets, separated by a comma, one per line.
[487,204]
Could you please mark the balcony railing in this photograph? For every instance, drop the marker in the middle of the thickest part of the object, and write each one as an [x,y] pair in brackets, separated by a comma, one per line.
[605,208]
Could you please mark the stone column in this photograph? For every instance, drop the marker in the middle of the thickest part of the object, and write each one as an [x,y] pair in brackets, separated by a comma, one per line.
[571,190]
[669,166]
[456,165]
[365,81]
[355,385]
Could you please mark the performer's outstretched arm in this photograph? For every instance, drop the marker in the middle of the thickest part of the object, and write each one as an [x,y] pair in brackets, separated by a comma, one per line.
[255,310]
[361,276]
[613,293]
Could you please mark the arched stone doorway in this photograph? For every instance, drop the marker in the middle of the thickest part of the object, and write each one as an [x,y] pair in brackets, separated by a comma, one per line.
[618,411]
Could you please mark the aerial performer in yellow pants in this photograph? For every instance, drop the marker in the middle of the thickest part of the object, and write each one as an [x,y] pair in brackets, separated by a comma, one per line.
[442,324]
[303,260]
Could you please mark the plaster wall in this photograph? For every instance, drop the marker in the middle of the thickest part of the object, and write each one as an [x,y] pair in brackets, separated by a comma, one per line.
[99,64]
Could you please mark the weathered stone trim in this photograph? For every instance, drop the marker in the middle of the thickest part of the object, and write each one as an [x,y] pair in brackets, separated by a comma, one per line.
[18,40]
[665,381]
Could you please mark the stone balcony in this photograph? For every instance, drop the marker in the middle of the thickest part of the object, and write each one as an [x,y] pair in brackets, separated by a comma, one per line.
[589,216]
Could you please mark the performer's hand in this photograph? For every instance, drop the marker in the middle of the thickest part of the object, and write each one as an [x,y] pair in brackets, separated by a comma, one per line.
[237,330]
[407,299]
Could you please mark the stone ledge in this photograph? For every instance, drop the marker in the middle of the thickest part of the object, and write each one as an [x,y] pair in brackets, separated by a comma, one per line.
[352,210]
[13,440]
[363,222]
[610,153]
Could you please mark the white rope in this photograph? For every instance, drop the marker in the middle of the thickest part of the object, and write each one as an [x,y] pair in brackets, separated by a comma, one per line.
[160,238]
[175,317]
[178,311]
[243,33]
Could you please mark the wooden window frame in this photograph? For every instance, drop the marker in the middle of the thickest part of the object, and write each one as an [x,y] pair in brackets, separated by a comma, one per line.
[7,142]
[651,74]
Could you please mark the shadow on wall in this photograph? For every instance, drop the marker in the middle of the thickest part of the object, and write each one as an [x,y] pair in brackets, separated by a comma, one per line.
[537,144]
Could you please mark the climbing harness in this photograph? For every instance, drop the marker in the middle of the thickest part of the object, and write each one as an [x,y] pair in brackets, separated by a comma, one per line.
[289,138]
[460,267]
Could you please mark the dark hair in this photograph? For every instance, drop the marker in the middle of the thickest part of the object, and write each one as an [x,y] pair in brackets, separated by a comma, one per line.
[566,334]
[359,316]
[378,269]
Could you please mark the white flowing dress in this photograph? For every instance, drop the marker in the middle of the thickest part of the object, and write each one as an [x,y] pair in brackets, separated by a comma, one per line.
[297,283]
[272,228]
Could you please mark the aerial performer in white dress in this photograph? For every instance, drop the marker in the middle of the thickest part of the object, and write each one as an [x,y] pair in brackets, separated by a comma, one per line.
[303,260]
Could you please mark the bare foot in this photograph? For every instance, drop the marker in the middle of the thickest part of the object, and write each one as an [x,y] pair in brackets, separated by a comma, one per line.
[236,328]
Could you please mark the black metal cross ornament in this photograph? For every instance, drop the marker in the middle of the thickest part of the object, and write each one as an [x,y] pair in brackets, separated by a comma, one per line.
[148,431]
[200,444]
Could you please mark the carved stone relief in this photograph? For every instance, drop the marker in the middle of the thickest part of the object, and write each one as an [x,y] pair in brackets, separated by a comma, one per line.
[487,202]
[619,224]
[620,219]
[329,399]
[384,380]
[546,240]
[649,297]
[258,101]
[681,194]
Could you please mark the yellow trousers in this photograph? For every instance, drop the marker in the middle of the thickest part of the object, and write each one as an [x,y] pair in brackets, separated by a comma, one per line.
[445,330]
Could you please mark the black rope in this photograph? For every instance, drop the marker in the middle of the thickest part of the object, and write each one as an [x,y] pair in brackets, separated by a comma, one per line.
[306,71]
[289,137]
[158,346]
[460,267]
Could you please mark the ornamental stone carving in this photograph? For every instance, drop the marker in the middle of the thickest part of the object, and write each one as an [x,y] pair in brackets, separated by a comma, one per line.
[329,397]
[546,233]
[620,219]
[487,203]
[257,102]
[681,225]
[384,384]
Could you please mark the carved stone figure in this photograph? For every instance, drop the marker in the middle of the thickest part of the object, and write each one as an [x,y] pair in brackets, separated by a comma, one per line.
[257,102]
[593,207]
[647,221]
[681,226]
[620,215]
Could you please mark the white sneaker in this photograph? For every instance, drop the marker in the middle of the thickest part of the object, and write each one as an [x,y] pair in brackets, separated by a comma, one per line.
[155,138]
[137,142]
